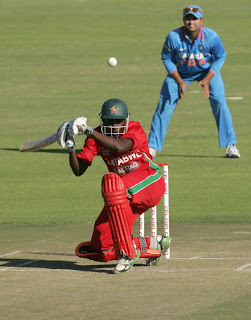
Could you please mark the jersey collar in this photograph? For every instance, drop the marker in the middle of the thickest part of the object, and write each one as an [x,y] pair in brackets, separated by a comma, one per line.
[200,34]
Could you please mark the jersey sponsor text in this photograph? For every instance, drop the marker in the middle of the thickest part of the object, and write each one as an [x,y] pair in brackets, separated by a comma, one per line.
[116,162]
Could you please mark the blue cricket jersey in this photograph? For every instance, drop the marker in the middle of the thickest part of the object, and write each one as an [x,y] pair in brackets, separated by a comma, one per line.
[205,53]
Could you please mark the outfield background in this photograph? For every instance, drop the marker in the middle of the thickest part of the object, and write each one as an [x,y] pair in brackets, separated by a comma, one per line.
[53,69]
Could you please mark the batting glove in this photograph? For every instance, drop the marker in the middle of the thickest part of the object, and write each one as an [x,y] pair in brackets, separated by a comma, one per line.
[70,144]
[77,126]
[61,134]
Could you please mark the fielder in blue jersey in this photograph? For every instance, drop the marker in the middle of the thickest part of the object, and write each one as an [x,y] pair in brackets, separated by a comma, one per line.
[193,53]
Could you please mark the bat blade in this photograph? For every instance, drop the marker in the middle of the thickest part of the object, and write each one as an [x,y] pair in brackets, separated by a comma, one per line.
[37,144]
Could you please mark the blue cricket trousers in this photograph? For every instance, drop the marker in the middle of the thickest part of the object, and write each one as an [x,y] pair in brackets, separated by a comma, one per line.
[167,103]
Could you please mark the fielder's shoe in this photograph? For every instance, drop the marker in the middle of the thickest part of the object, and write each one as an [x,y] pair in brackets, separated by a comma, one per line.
[152,152]
[232,152]
[126,263]
[163,245]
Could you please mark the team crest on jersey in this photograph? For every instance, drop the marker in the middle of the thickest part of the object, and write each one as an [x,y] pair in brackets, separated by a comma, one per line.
[167,48]
[114,109]
[201,47]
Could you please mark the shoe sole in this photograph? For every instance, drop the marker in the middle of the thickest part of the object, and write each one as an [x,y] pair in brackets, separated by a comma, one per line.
[153,262]
[134,260]
[233,156]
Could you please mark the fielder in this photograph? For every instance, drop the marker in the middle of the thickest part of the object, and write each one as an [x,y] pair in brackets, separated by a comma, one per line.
[193,53]
[132,186]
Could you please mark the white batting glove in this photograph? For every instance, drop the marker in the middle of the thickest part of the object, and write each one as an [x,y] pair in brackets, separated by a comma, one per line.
[72,128]
[77,126]
[61,134]
[64,139]
[70,143]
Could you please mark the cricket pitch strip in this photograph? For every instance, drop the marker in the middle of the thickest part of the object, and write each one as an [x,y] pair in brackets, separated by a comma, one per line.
[206,278]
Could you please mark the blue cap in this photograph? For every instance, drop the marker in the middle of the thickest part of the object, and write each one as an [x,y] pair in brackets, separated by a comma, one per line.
[197,14]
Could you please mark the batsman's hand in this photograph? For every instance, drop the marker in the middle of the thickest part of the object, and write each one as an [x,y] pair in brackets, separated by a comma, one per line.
[61,134]
[77,126]
[69,129]
[64,139]
[70,143]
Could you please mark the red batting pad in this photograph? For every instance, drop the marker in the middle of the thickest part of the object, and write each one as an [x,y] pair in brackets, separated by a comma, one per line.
[119,214]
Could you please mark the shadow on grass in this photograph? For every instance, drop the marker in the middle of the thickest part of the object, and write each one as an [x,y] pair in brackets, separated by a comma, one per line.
[189,156]
[159,155]
[38,151]
[56,265]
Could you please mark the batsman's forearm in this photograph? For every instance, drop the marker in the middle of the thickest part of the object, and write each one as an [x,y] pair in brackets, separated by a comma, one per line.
[73,160]
[78,168]
[117,145]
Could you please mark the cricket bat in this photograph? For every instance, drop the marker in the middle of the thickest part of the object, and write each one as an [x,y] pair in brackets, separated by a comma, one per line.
[37,144]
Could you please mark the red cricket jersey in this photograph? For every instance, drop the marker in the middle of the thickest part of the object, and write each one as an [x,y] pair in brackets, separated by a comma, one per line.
[137,161]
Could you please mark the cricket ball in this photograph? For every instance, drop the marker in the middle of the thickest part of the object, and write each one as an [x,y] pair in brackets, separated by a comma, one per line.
[112,62]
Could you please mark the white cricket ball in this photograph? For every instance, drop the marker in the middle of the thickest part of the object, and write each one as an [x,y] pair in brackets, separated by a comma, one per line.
[112,62]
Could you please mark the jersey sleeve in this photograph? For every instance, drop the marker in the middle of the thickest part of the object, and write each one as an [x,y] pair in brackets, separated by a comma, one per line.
[137,134]
[168,53]
[89,151]
[218,53]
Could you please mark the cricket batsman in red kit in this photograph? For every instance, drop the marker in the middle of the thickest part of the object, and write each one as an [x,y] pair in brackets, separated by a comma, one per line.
[132,186]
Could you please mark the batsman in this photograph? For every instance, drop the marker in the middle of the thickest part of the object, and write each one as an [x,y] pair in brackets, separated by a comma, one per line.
[132,185]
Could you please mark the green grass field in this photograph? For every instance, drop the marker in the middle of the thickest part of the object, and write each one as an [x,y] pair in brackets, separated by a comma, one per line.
[54,68]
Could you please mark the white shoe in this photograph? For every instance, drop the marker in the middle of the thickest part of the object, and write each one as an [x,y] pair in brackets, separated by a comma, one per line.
[163,245]
[152,152]
[126,263]
[232,152]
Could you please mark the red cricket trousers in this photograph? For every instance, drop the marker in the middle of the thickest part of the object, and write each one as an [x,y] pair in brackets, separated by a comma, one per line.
[139,202]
